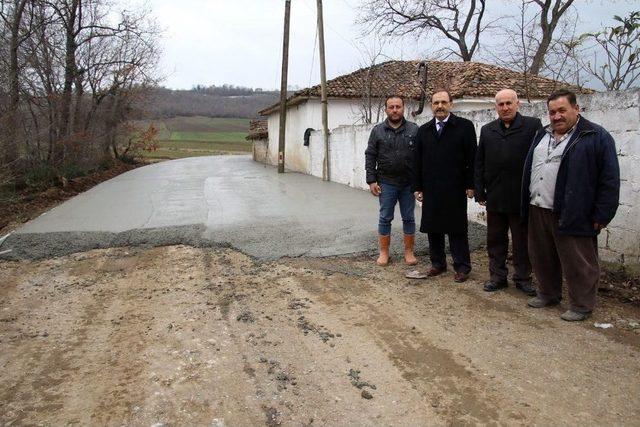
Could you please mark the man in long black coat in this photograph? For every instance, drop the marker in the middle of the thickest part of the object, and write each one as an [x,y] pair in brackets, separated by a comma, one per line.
[503,147]
[443,181]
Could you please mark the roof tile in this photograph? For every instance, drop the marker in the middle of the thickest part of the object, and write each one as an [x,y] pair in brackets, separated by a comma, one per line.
[462,79]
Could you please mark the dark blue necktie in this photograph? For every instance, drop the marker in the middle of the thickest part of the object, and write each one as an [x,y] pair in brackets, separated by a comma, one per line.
[440,128]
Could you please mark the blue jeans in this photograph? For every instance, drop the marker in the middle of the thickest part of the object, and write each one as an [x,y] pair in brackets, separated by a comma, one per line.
[388,198]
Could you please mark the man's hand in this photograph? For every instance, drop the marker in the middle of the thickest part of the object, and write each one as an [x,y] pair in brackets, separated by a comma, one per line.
[598,226]
[483,203]
[470,194]
[375,189]
[418,195]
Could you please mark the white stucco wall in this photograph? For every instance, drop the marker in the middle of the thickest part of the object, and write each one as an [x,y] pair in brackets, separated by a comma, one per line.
[260,150]
[618,112]
[301,117]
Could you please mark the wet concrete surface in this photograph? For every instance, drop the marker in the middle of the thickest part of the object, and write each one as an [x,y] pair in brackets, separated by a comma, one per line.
[225,201]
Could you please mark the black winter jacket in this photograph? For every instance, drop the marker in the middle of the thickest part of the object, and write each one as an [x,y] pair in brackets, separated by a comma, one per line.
[500,160]
[389,154]
[587,189]
[443,172]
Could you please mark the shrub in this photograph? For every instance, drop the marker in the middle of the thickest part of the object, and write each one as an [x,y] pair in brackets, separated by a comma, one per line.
[40,176]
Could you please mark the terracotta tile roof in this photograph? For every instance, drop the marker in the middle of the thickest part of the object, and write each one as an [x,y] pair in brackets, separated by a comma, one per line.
[463,79]
[257,130]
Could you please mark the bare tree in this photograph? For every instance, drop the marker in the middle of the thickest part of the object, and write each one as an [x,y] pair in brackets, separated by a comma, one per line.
[81,70]
[615,61]
[549,15]
[530,36]
[371,107]
[515,49]
[459,21]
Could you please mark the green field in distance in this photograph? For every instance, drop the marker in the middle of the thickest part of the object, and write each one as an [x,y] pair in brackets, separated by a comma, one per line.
[180,137]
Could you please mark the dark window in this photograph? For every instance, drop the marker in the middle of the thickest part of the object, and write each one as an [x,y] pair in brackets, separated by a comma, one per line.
[307,136]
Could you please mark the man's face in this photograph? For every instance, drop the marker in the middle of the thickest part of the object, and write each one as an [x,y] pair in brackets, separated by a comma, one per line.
[394,110]
[507,105]
[562,115]
[441,105]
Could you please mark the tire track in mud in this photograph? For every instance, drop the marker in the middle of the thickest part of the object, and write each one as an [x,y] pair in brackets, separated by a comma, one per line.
[448,385]
[192,336]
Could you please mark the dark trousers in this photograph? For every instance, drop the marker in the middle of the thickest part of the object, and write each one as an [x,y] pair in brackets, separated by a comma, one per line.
[554,255]
[498,226]
[459,248]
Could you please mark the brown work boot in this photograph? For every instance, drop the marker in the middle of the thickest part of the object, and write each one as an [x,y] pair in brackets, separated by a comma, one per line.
[409,243]
[384,242]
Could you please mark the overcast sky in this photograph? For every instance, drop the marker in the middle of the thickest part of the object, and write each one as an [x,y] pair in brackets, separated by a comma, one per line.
[240,41]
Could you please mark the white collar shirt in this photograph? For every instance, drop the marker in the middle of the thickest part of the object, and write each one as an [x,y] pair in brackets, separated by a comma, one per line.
[546,163]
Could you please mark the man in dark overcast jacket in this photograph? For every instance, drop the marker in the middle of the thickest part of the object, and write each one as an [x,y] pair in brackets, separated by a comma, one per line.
[388,163]
[570,191]
[503,147]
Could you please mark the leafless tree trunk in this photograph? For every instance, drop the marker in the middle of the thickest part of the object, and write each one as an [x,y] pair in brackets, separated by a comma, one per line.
[551,11]
[13,20]
[528,43]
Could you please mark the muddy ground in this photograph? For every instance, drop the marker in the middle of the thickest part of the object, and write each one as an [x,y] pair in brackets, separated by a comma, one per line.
[198,336]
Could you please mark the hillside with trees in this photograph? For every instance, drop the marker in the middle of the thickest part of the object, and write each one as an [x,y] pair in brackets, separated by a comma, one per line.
[212,101]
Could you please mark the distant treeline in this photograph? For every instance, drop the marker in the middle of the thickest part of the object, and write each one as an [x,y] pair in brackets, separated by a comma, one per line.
[229,90]
[212,101]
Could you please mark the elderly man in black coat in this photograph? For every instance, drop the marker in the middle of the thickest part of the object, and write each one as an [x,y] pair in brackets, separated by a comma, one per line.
[502,150]
[443,180]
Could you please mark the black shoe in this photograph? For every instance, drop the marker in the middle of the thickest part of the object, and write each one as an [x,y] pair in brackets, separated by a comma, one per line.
[494,286]
[537,302]
[436,271]
[527,288]
[460,277]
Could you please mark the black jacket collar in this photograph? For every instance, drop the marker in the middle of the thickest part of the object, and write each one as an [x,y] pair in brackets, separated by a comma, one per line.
[584,125]
[452,121]
[516,124]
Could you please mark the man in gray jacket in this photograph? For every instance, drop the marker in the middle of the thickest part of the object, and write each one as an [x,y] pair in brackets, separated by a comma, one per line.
[388,163]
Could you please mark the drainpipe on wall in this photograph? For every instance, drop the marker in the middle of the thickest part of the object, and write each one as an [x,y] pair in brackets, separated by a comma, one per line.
[423,88]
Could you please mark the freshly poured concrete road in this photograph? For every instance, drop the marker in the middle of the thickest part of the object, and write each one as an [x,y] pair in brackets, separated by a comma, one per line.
[212,201]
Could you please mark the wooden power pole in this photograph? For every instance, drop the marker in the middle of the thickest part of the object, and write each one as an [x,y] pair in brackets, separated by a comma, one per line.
[323,93]
[283,87]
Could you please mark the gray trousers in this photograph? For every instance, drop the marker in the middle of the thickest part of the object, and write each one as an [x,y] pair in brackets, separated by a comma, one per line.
[554,256]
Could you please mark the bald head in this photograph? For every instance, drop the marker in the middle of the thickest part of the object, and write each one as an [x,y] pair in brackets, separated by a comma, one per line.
[507,93]
[507,105]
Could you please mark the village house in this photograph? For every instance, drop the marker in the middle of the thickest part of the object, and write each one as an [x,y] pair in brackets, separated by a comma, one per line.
[358,98]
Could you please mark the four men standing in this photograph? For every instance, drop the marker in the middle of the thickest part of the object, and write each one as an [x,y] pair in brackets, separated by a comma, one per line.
[568,192]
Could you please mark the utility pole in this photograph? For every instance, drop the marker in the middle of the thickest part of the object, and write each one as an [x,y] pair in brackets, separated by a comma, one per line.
[283,86]
[323,93]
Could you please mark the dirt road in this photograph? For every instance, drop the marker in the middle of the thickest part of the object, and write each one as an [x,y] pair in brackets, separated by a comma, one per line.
[189,336]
